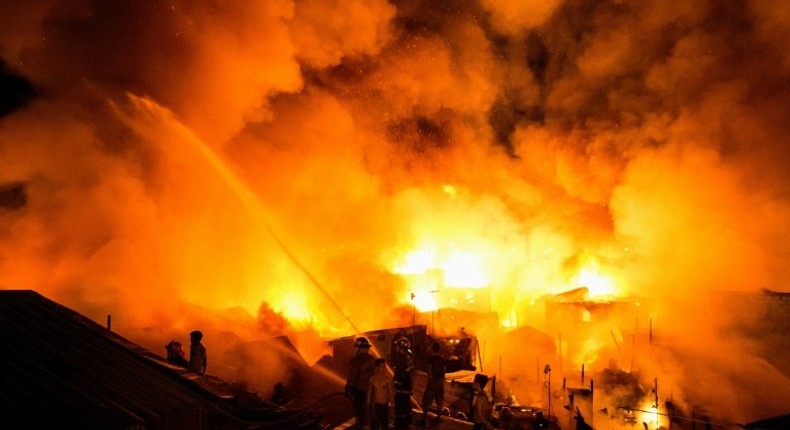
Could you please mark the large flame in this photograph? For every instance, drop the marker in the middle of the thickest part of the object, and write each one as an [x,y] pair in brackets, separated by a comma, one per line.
[599,284]
[427,274]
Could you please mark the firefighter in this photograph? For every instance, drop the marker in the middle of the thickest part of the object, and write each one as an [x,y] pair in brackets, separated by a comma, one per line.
[402,381]
[434,389]
[380,395]
[175,354]
[358,381]
[481,409]
[198,360]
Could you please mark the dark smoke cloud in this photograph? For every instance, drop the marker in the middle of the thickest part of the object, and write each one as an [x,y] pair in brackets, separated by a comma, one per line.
[651,137]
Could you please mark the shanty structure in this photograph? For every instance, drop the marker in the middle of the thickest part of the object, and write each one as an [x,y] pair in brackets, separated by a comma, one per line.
[60,370]
[773,423]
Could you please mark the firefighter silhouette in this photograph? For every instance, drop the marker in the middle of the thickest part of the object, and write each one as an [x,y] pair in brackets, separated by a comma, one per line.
[402,381]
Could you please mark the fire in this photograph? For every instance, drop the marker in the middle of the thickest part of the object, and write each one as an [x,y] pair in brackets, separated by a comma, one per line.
[425,301]
[294,307]
[596,281]
[429,269]
[427,273]
[417,262]
[463,269]
[460,269]
[649,416]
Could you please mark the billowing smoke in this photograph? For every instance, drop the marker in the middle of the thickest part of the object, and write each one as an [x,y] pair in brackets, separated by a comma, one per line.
[205,164]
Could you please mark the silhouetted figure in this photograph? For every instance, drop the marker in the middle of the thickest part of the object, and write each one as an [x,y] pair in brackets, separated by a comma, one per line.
[402,381]
[581,424]
[508,420]
[434,390]
[278,394]
[380,396]
[481,410]
[198,360]
[358,381]
[175,354]
[540,421]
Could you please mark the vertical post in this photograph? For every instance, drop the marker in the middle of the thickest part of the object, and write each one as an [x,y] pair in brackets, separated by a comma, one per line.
[694,417]
[656,400]
[547,383]
[480,356]
[109,322]
[413,309]
[549,392]
[592,402]
[651,332]
[492,387]
[633,342]
[582,374]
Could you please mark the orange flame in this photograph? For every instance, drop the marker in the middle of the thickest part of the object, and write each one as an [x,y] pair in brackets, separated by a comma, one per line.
[599,281]
[426,273]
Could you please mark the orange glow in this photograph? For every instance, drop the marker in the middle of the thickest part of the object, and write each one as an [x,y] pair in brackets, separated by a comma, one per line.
[598,283]
[417,262]
[336,167]
[462,269]
[294,307]
[459,269]
[649,415]
[590,350]
[509,320]
[424,301]
[427,274]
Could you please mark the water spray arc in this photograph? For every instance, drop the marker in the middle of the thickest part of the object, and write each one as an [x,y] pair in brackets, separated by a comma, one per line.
[231,180]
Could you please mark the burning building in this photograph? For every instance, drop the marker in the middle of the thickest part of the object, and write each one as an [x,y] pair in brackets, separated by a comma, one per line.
[320,168]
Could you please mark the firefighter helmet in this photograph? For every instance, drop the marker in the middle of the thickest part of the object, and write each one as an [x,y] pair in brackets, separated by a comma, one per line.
[403,343]
[362,342]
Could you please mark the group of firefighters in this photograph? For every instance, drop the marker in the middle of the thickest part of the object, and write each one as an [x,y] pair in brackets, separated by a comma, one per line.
[373,390]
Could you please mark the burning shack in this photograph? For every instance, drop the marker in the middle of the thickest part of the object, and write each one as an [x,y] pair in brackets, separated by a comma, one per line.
[592,329]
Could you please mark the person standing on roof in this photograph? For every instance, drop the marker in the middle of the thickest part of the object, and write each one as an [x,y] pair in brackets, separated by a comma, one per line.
[434,389]
[198,359]
[358,381]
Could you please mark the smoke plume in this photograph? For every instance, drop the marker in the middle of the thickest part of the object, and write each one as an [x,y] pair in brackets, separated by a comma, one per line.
[187,164]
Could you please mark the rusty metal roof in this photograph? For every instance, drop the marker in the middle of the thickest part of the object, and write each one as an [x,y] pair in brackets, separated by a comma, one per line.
[59,369]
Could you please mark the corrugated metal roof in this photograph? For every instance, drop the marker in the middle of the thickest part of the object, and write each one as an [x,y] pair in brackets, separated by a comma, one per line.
[61,370]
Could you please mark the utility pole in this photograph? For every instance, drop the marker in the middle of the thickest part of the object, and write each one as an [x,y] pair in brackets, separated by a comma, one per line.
[547,372]
[413,309]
